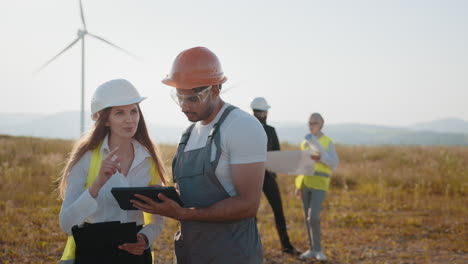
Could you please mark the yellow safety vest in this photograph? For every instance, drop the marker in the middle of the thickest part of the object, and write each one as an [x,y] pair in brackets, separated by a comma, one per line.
[93,171]
[321,178]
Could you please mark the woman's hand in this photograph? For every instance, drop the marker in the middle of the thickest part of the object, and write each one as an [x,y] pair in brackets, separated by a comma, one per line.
[316,157]
[136,248]
[108,168]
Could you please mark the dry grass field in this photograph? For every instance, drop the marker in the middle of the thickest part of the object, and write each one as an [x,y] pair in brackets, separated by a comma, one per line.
[387,204]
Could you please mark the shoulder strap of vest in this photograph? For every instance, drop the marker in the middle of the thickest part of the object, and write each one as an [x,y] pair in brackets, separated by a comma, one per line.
[154,172]
[325,141]
[148,218]
[94,165]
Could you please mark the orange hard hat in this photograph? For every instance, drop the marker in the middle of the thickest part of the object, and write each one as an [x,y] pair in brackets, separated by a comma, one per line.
[195,67]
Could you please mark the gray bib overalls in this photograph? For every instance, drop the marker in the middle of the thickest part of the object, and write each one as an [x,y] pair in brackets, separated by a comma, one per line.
[209,242]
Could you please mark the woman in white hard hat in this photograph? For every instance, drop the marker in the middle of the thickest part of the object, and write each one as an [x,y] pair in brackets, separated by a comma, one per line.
[117,152]
[312,188]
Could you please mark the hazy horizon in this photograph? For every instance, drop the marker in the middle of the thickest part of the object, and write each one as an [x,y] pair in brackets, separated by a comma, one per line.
[269,119]
[389,62]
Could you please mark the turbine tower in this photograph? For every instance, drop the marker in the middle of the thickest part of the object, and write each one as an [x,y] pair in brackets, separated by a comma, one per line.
[82,33]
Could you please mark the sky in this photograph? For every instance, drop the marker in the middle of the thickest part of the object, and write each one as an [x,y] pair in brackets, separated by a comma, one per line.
[382,62]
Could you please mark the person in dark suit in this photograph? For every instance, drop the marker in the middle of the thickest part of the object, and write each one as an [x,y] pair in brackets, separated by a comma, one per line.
[260,110]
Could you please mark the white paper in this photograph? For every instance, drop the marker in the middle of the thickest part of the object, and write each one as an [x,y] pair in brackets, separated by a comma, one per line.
[290,162]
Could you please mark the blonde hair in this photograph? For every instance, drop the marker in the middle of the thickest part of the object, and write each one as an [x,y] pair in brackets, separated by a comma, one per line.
[97,135]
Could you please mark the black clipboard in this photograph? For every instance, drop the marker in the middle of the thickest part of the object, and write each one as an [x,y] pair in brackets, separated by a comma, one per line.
[123,195]
[103,238]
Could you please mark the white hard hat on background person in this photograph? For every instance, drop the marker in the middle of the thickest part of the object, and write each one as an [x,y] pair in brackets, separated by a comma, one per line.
[259,103]
[114,93]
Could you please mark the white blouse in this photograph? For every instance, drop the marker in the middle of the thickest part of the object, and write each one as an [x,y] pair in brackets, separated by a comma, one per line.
[79,206]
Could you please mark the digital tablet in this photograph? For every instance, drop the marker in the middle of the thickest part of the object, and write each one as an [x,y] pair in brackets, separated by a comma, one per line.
[123,195]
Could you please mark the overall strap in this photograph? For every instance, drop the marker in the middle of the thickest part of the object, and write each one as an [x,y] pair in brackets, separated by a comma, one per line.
[216,137]
[184,139]
[181,147]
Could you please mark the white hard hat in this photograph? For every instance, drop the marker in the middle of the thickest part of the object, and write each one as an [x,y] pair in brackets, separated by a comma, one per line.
[259,103]
[114,93]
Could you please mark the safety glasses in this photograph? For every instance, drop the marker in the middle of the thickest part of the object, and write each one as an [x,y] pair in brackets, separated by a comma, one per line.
[192,99]
[314,123]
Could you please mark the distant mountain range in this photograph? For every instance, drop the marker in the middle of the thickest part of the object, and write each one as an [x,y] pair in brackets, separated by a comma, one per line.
[65,125]
[363,134]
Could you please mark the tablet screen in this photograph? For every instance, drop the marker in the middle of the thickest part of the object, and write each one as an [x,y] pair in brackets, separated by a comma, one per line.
[123,195]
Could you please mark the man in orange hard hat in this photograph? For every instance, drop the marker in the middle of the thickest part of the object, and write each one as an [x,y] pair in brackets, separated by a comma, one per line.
[218,168]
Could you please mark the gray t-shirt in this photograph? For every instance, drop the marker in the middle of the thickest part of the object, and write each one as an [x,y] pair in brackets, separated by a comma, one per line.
[243,141]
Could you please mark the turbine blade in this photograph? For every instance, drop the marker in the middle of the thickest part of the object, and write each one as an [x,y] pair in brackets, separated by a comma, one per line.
[115,46]
[60,53]
[82,16]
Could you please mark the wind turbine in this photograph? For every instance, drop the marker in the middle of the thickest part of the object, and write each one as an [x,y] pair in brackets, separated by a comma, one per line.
[81,36]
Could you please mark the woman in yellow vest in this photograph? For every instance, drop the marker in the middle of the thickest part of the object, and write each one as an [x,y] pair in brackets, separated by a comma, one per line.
[117,152]
[312,188]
